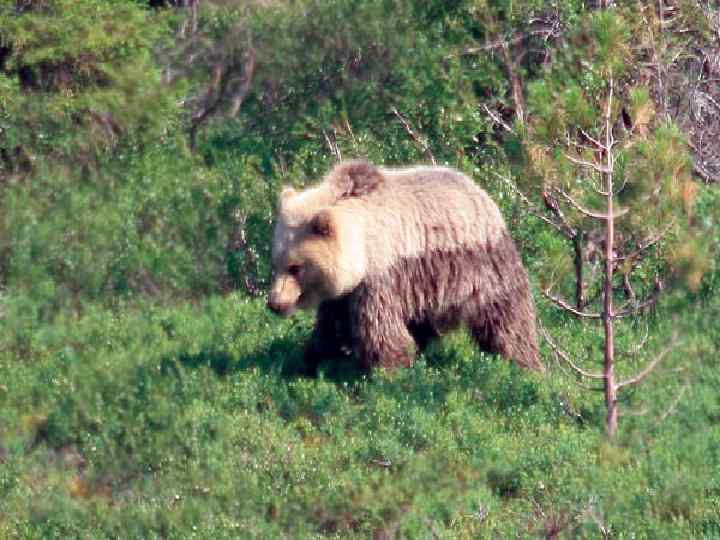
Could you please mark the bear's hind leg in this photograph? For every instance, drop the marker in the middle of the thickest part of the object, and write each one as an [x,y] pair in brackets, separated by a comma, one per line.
[509,332]
[482,333]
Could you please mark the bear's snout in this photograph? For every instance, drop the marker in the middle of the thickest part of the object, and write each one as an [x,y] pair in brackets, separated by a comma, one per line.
[281,308]
[285,295]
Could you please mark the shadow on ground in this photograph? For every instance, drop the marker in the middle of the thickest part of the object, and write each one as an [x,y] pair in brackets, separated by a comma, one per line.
[282,357]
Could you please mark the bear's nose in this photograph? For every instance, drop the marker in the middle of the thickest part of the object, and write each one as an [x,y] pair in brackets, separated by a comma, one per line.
[281,308]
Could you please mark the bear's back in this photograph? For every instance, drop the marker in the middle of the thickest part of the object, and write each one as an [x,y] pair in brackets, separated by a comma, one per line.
[421,210]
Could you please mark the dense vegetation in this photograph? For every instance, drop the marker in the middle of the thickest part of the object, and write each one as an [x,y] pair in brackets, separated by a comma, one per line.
[146,392]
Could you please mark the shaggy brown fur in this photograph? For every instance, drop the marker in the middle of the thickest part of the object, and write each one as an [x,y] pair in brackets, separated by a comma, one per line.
[390,316]
[433,254]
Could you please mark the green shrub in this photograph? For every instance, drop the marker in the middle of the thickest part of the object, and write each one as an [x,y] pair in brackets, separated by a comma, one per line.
[152,421]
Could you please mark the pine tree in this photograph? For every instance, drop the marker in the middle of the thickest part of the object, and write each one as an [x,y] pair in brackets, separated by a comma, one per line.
[614,176]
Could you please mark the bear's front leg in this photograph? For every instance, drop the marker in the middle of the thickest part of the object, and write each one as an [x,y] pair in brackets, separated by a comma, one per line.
[380,334]
[331,337]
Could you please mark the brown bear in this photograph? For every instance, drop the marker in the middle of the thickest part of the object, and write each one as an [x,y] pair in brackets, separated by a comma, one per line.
[392,258]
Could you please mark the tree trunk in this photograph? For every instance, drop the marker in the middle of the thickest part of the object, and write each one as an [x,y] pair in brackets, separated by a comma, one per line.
[579,285]
[610,385]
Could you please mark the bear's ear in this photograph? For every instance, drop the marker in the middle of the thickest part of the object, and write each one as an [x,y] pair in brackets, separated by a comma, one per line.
[355,178]
[321,224]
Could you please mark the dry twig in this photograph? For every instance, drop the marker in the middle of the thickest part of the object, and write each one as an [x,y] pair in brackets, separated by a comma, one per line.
[420,142]
[649,368]
[589,213]
[566,357]
[567,307]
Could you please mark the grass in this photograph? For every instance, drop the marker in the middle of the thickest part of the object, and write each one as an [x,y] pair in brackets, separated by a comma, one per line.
[189,421]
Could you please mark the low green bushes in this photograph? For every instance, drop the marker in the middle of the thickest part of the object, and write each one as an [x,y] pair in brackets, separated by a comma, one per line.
[189,421]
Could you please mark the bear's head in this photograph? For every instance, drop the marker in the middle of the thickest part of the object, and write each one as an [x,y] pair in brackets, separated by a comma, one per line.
[319,250]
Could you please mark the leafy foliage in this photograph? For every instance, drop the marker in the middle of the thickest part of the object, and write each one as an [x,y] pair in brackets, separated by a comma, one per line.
[150,223]
[142,396]
[165,421]
[651,162]
[76,76]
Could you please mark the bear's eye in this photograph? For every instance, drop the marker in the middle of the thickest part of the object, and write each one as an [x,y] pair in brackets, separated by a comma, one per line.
[294,270]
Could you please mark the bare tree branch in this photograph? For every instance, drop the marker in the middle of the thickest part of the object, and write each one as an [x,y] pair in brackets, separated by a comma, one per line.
[515,82]
[497,119]
[587,164]
[599,191]
[192,21]
[589,213]
[546,32]
[566,357]
[333,145]
[238,241]
[671,409]
[222,90]
[567,307]
[420,142]
[589,137]
[563,228]
[641,306]
[647,243]
[648,369]
[349,129]
[570,142]
[555,208]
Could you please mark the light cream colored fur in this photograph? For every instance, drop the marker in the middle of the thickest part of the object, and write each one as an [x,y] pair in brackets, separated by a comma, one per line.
[332,265]
[422,210]
[413,211]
